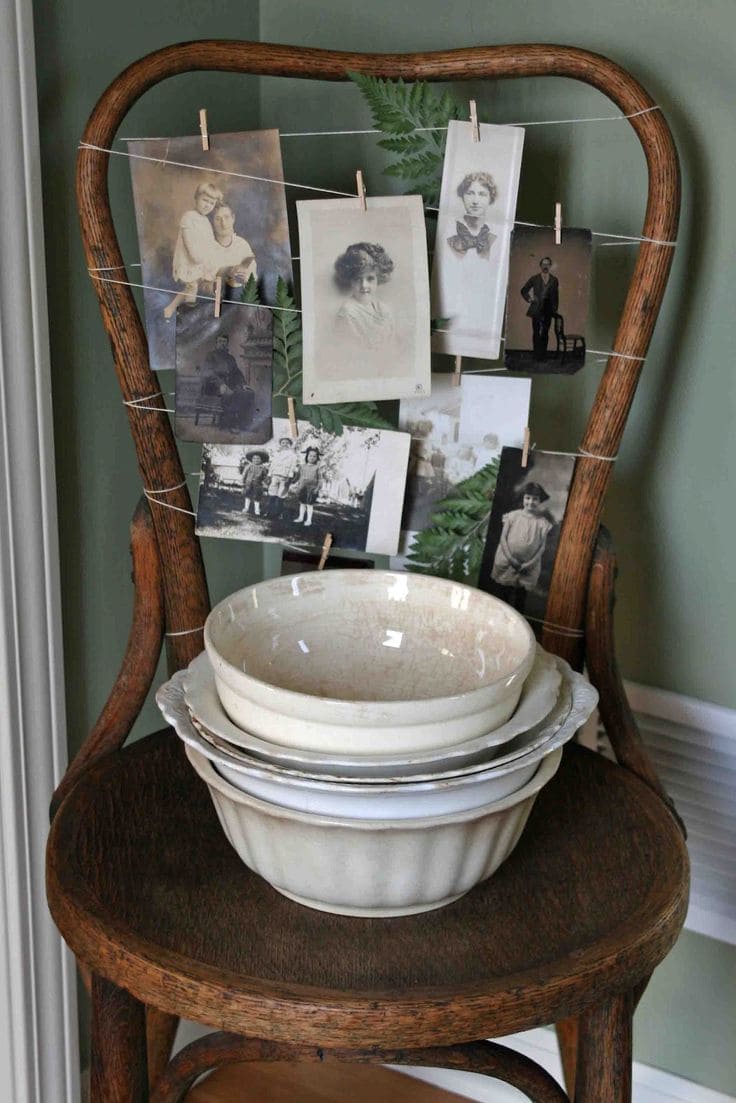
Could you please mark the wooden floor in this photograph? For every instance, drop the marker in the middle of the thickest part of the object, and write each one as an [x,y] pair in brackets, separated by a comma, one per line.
[306,1083]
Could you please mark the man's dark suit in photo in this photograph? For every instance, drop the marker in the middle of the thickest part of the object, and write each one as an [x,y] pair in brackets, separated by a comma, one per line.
[542,293]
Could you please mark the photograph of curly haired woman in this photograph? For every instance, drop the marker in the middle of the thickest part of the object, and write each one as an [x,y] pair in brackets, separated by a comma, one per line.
[365,299]
[471,255]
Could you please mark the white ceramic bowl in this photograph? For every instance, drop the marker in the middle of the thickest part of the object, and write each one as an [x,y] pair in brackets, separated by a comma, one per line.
[538,697]
[367,662]
[350,799]
[371,867]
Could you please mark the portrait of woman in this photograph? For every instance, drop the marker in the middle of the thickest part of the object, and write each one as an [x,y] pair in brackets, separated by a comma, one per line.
[359,272]
[473,236]
[476,215]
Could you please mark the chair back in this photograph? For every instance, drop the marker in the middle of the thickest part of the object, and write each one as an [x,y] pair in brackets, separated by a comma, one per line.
[186,596]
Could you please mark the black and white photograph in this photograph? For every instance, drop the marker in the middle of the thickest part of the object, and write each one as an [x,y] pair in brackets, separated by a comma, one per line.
[223,374]
[297,490]
[454,433]
[365,299]
[547,305]
[480,181]
[524,528]
[202,214]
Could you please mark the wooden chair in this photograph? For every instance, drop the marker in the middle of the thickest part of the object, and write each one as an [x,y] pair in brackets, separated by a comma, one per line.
[152,899]
[568,344]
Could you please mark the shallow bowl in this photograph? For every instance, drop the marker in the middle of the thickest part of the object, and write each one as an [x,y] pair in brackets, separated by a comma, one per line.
[371,867]
[538,698]
[367,662]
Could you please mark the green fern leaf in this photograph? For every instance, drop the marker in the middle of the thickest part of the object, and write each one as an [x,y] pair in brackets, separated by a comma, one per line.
[250,292]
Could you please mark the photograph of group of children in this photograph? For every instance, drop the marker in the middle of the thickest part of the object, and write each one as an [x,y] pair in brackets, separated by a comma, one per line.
[296,490]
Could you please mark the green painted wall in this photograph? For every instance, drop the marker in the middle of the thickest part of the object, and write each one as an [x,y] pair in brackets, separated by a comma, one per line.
[670,506]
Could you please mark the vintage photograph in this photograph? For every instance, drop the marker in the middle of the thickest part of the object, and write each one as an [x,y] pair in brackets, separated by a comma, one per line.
[365,299]
[454,433]
[223,374]
[547,305]
[524,529]
[296,490]
[200,214]
[480,181]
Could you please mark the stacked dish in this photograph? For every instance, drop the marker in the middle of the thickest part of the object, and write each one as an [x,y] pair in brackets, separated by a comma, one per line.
[373,741]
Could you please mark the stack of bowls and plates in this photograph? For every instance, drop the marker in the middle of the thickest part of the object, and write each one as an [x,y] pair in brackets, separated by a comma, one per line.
[373,741]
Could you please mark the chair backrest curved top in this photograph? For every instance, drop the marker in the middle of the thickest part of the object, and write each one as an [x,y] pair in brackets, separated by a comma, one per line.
[187,601]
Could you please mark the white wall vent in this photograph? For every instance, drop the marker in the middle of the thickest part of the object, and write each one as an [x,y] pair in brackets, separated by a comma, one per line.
[693,746]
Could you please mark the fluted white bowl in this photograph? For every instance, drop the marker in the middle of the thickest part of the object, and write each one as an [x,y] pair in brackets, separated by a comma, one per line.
[367,662]
[371,867]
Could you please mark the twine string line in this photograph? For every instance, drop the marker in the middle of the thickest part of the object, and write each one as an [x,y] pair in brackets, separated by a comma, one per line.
[420,129]
[334,191]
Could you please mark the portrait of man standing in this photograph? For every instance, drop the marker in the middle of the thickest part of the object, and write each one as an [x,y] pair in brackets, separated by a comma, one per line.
[542,292]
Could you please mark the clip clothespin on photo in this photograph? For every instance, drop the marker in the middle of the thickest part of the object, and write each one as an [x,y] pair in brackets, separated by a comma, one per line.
[218,296]
[456,375]
[360,186]
[525,449]
[203,128]
[474,124]
[325,551]
[558,224]
[291,408]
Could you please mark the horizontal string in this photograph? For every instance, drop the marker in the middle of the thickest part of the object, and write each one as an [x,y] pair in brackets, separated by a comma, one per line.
[168,505]
[186,631]
[167,489]
[205,298]
[420,129]
[345,194]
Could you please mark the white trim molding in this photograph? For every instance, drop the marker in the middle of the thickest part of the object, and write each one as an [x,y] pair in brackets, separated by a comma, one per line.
[38,1026]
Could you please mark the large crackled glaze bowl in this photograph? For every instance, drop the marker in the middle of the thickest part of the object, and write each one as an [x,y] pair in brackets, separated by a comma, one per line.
[367,662]
[371,867]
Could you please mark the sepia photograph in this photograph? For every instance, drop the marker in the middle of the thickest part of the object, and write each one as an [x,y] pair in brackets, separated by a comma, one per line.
[365,299]
[202,214]
[297,490]
[480,181]
[524,528]
[454,433]
[223,374]
[547,305]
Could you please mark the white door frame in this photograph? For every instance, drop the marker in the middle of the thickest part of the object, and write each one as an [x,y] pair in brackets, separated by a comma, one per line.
[39,1054]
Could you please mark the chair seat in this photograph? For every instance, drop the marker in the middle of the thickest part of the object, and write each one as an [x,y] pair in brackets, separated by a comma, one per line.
[147,891]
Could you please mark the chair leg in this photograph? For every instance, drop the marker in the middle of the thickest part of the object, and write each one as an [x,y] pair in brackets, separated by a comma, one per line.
[160,1034]
[567,1042]
[118,1039]
[603,1073]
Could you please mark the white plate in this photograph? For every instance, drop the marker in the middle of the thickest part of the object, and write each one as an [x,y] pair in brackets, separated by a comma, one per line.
[537,699]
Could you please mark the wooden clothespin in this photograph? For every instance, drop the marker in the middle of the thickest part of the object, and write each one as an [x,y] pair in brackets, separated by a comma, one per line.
[203,128]
[525,449]
[558,224]
[361,189]
[456,375]
[292,417]
[218,296]
[474,124]
[325,551]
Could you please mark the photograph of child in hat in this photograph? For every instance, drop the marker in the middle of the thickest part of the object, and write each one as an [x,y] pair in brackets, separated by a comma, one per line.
[255,479]
[547,307]
[365,299]
[206,215]
[523,532]
[297,490]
